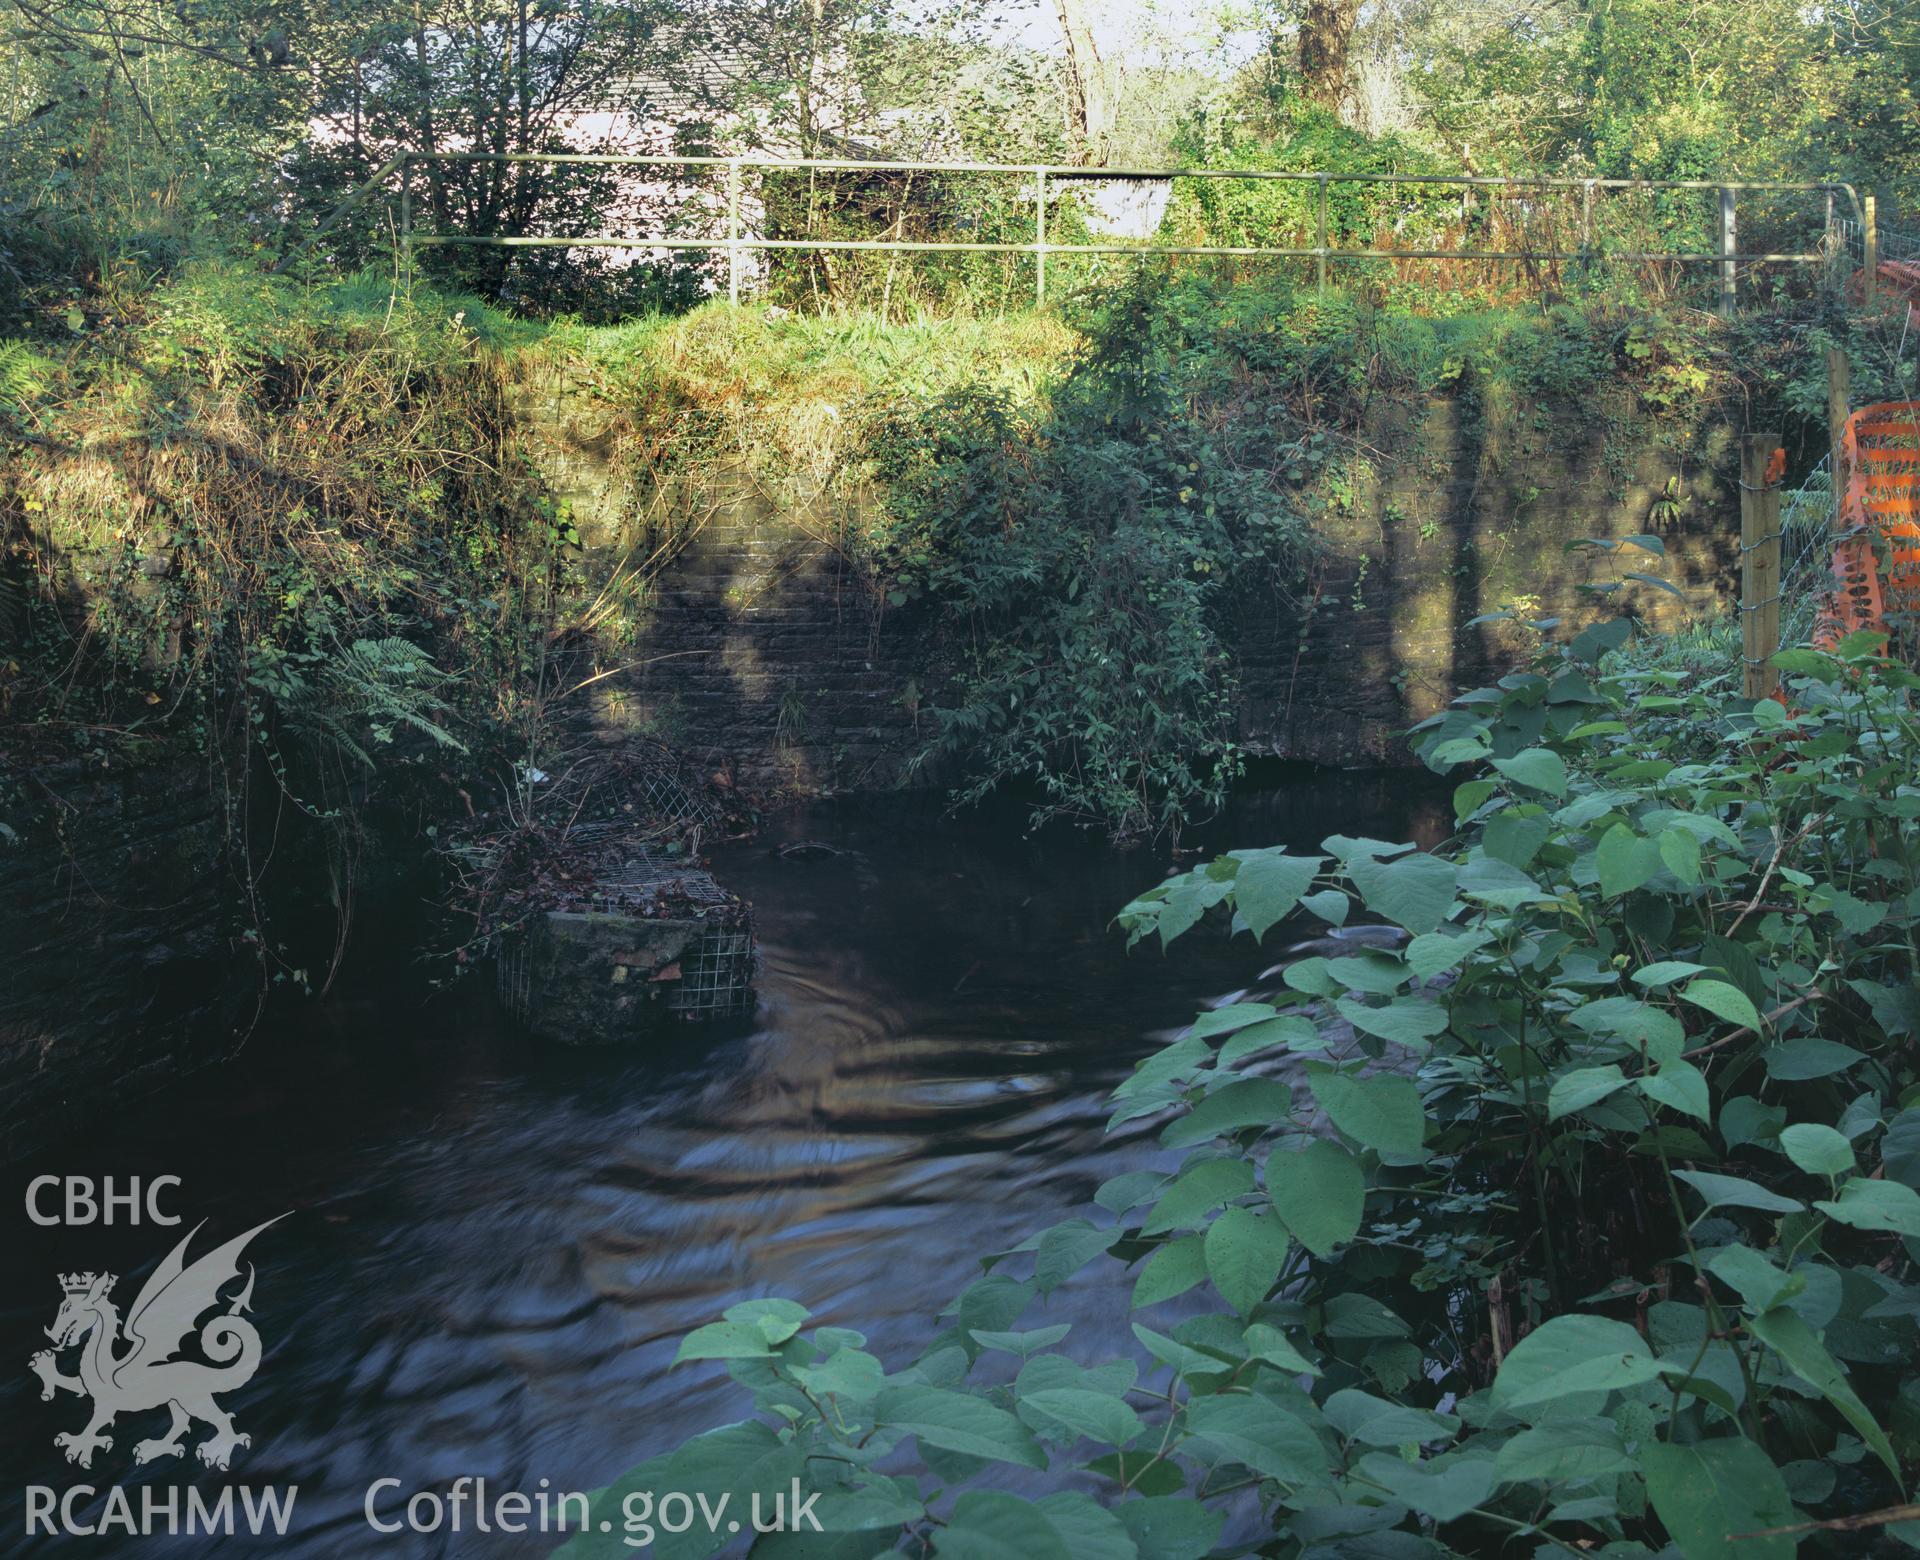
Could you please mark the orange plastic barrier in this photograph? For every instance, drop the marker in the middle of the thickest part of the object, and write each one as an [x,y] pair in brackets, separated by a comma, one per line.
[1892,278]
[1880,503]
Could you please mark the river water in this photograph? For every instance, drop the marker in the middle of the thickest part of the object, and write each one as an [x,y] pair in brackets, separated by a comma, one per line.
[493,1247]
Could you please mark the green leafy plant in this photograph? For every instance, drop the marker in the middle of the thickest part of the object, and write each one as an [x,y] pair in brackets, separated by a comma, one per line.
[1581,1217]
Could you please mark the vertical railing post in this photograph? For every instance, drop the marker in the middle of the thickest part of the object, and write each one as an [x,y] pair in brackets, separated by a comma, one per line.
[1870,252]
[1320,232]
[1728,248]
[733,231]
[406,220]
[1759,562]
[1839,394]
[1040,238]
[1586,232]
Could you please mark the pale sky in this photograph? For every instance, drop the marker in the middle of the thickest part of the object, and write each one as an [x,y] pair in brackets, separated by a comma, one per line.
[1141,32]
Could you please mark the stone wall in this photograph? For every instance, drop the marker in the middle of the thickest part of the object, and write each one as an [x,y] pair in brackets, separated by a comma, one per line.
[118,973]
[1466,512]
[770,657]
[766,654]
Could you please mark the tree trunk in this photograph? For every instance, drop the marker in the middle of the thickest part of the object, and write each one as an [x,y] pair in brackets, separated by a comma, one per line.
[1089,114]
[1326,37]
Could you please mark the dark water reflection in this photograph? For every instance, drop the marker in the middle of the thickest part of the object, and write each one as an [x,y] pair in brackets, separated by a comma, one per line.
[495,1247]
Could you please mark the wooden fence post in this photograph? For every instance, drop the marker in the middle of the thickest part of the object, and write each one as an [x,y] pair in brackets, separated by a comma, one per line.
[1759,562]
[1839,394]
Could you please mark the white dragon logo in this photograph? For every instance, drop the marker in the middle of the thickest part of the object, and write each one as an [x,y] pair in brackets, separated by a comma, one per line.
[146,1375]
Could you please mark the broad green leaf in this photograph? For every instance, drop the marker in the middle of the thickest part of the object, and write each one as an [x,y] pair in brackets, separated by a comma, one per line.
[1538,769]
[1900,1148]
[1796,1343]
[1269,884]
[1319,1193]
[1378,974]
[1087,1528]
[1434,953]
[1876,1205]
[1723,1002]
[1123,1193]
[1408,1021]
[1186,900]
[1245,1250]
[1743,1119]
[959,1422]
[1637,1023]
[1247,1102]
[1235,1015]
[1065,1249]
[1169,1064]
[1371,1421]
[993,1525]
[849,1375]
[1177,1356]
[1707,1492]
[1024,1344]
[1414,891]
[724,1341]
[1382,1112]
[1273,1346]
[1329,904]
[1817,1149]
[1172,1270]
[735,1461]
[1793,1061]
[1100,1416]
[993,1303]
[1666,972]
[1760,1283]
[1442,1491]
[778,1319]
[1582,1087]
[1680,850]
[1197,1192]
[1468,797]
[1567,1356]
[1292,1031]
[1354,1315]
[1732,1191]
[1565,1451]
[1261,1434]
[882,1504]
[1169,1527]
[1680,1086]
[1625,861]
[1514,839]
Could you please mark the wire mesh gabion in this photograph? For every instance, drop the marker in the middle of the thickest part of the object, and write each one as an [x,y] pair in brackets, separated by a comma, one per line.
[512,976]
[621,866]
[716,971]
[716,977]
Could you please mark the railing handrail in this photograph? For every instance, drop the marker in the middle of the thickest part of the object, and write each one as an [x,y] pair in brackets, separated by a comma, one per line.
[1086,173]
[735,243]
[395,163]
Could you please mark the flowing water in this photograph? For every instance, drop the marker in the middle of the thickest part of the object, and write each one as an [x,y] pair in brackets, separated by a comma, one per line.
[493,1247]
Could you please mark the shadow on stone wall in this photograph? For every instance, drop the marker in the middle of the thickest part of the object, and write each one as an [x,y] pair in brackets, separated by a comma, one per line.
[770,657]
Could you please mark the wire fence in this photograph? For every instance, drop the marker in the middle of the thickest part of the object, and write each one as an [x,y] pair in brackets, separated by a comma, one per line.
[1806,552]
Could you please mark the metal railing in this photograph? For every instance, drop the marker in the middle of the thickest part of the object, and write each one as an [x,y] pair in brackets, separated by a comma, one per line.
[1845,214]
